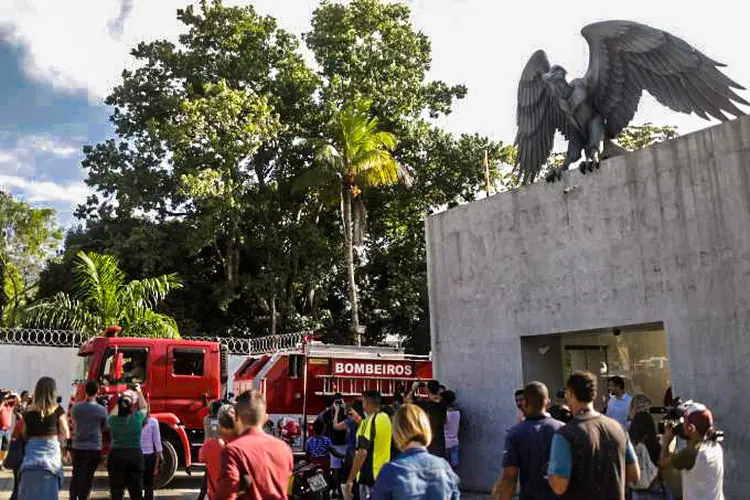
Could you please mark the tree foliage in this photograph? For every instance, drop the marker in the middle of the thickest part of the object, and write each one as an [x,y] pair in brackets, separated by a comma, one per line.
[30,236]
[102,297]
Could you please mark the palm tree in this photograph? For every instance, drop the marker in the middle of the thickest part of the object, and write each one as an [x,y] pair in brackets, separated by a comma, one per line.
[358,157]
[101,298]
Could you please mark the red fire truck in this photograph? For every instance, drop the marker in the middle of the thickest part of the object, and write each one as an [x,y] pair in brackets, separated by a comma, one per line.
[298,380]
[180,378]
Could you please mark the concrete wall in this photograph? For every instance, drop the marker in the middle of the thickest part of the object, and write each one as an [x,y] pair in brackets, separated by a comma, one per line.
[658,235]
[22,365]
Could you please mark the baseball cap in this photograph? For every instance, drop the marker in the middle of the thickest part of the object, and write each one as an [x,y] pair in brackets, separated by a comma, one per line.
[699,415]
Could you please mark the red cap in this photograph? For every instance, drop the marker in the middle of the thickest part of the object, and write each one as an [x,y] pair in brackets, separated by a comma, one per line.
[700,416]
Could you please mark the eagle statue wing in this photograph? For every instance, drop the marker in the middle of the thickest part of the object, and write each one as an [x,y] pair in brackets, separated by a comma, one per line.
[626,58]
[538,116]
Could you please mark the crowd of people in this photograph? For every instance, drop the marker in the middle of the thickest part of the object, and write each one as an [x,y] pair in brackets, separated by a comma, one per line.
[408,449]
[614,455]
[38,436]
[365,449]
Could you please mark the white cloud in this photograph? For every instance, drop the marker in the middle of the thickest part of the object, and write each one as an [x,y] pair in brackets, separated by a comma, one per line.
[86,48]
[19,155]
[58,149]
[7,157]
[74,48]
[44,191]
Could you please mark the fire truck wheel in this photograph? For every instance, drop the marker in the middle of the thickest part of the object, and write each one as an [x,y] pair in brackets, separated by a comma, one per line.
[168,467]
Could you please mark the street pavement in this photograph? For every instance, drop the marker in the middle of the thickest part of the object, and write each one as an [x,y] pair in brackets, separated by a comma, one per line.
[183,487]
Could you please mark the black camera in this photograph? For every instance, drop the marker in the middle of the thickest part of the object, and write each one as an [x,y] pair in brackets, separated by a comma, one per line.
[673,415]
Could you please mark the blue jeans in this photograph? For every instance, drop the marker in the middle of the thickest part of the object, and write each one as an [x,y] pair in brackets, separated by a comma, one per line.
[5,436]
[38,484]
[453,456]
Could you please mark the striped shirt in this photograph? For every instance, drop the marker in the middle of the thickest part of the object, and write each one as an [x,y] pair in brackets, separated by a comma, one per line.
[151,437]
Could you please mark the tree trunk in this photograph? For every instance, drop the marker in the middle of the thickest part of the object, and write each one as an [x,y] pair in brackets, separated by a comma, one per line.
[346,211]
[3,297]
[273,315]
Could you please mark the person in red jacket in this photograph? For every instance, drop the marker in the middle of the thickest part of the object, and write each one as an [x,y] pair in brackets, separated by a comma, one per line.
[258,465]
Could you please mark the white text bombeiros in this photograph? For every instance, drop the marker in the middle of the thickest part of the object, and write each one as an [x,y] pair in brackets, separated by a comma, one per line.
[355,368]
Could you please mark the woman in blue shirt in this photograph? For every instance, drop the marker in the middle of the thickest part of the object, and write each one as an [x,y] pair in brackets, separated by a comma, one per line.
[415,474]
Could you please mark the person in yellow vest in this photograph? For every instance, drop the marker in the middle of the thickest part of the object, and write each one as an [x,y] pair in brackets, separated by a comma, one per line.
[373,447]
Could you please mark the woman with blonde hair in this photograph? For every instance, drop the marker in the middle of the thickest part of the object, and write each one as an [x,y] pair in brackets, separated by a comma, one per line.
[415,473]
[44,423]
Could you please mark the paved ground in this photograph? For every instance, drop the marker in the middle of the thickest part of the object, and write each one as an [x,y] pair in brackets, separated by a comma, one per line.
[183,487]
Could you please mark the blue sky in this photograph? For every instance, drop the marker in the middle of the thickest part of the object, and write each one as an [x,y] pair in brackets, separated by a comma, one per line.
[41,134]
[59,59]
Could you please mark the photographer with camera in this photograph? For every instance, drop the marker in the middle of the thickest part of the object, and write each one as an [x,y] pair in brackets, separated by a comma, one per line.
[701,461]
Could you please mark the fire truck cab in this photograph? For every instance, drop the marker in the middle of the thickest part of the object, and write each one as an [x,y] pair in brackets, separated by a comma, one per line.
[179,379]
[297,382]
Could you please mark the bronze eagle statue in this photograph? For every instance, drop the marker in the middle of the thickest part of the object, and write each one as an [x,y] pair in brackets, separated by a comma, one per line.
[625,58]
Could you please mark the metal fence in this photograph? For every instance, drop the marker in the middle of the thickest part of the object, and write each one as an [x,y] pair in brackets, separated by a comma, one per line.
[41,337]
[235,345]
[259,345]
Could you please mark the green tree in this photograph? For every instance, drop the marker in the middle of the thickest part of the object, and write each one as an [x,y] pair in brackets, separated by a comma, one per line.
[102,297]
[358,157]
[30,237]
[369,48]
[162,202]
[200,145]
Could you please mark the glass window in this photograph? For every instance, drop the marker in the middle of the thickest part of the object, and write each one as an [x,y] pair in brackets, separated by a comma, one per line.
[134,363]
[296,365]
[188,362]
[82,368]
[636,353]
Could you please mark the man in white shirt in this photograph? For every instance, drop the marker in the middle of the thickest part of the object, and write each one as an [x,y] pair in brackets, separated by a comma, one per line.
[701,461]
[618,406]
[152,455]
